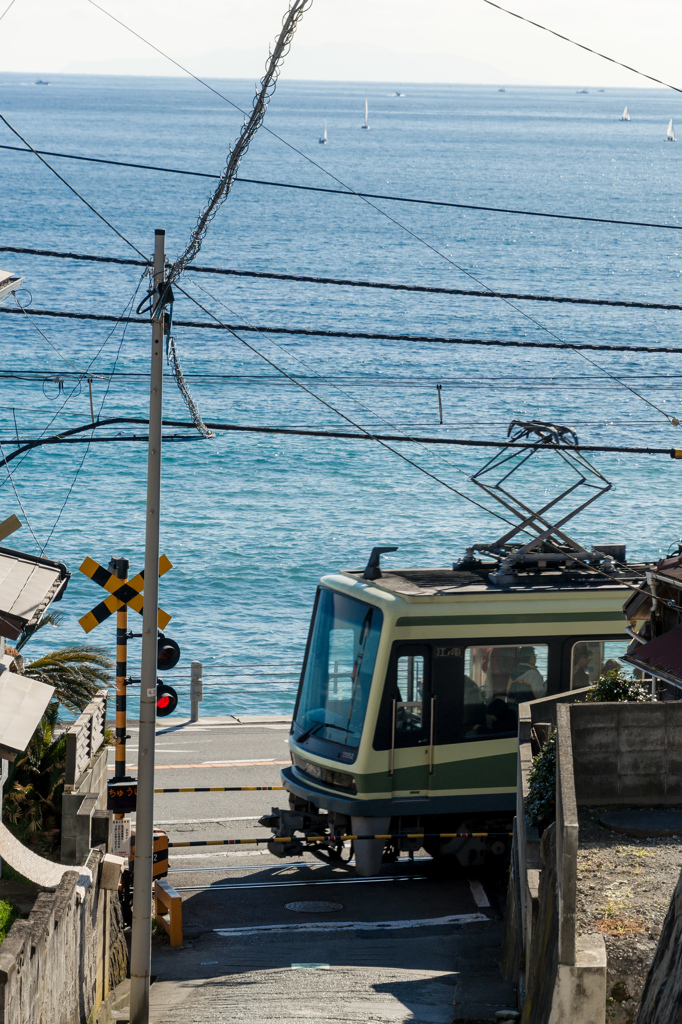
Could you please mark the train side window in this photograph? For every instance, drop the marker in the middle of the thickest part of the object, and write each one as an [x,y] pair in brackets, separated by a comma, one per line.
[496,680]
[410,686]
[590,658]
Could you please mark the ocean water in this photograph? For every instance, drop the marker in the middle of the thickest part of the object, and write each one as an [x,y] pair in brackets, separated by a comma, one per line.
[250,521]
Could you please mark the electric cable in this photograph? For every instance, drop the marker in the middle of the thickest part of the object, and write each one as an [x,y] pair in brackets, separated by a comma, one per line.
[268,83]
[363,195]
[71,188]
[671,419]
[310,332]
[342,415]
[320,377]
[582,46]
[10,4]
[16,495]
[354,283]
[45,337]
[68,437]
[130,304]
[252,123]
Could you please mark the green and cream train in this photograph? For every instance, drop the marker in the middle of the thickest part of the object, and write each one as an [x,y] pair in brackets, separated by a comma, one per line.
[406,714]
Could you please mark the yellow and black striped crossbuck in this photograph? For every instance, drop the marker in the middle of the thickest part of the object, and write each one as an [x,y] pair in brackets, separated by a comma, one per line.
[120,593]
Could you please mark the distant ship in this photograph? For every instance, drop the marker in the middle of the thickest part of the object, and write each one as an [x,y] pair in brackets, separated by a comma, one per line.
[323,136]
[626,115]
[366,124]
[670,134]
[502,90]
[397,94]
[582,92]
[40,82]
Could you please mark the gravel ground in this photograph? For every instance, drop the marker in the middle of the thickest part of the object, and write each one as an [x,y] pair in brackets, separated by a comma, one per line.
[624,888]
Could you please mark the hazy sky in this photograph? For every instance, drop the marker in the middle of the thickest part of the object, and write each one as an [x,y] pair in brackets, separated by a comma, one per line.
[394,40]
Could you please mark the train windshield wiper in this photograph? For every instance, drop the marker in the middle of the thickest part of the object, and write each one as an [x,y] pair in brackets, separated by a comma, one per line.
[309,732]
[316,728]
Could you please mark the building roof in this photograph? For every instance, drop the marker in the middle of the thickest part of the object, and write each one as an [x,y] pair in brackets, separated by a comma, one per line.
[28,586]
[661,656]
[23,702]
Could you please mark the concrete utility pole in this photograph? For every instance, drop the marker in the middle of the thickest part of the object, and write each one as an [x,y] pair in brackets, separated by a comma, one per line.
[141,943]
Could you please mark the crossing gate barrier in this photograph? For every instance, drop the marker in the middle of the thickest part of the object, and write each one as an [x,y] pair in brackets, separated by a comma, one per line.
[340,839]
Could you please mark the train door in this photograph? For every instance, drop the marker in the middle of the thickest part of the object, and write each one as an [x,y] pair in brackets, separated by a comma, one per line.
[409,696]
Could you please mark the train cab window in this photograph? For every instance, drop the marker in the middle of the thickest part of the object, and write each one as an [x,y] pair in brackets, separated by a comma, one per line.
[496,680]
[589,658]
[337,676]
[410,690]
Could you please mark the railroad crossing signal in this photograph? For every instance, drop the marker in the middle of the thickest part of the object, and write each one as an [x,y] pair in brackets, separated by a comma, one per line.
[120,593]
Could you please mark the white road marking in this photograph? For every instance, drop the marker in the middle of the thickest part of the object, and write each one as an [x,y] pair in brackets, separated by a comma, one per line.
[203,821]
[249,760]
[350,926]
[478,892]
[203,856]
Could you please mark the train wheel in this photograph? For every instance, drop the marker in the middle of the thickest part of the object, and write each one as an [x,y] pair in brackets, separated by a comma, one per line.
[368,852]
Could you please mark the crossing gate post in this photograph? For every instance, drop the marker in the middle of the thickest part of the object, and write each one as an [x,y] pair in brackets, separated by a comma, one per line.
[196,689]
[121,567]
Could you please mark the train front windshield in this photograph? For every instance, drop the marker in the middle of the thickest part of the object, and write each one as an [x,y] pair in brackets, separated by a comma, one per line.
[338,672]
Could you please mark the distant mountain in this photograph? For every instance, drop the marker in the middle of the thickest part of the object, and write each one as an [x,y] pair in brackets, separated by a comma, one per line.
[351,62]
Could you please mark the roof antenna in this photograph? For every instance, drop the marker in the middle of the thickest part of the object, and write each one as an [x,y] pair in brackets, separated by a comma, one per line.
[373,567]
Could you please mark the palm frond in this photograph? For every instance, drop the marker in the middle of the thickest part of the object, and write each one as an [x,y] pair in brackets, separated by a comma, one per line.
[76,673]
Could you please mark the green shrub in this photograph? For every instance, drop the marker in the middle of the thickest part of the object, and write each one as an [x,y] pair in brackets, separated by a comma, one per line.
[614,685]
[8,915]
[541,803]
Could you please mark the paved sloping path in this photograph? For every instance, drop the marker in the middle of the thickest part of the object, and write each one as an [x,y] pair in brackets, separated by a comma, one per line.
[421,975]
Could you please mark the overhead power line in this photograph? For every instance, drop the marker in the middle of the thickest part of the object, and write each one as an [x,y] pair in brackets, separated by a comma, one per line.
[354,283]
[581,46]
[69,437]
[310,332]
[355,195]
[69,185]
[403,227]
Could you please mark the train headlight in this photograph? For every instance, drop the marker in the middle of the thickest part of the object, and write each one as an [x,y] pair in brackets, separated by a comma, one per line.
[327,776]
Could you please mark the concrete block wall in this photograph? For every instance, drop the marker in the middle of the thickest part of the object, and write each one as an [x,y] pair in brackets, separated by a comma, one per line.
[59,965]
[80,806]
[627,753]
[563,977]
[607,755]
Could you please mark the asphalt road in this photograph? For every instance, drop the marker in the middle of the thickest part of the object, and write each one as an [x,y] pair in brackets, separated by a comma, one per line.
[420,943]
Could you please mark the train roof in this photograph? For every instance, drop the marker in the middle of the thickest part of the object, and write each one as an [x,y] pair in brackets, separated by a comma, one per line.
[446,582]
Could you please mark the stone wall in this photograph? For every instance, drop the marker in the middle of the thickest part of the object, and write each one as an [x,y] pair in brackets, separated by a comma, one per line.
[58,966]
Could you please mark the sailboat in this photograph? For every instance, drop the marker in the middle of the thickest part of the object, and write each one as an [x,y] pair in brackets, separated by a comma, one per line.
[626,115]
[670,134]
[323,136]
[366,124]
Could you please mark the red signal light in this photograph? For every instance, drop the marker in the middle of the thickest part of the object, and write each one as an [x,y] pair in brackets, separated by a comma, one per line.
[166,699]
